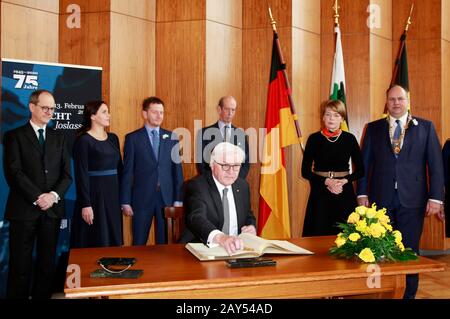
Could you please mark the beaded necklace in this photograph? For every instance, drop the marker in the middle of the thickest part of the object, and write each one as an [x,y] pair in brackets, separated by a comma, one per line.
[332,139]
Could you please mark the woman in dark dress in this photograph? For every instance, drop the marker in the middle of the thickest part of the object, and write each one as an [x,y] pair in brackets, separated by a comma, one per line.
[326,166]
[446,157]
[97,220]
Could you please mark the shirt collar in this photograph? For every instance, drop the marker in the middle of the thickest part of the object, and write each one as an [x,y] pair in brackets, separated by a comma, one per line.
[222,124]
[150,129]
[402,119]
[220,187]
[36,127]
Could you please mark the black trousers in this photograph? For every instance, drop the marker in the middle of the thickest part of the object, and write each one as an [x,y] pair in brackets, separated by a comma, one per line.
[409,221]
[23,235]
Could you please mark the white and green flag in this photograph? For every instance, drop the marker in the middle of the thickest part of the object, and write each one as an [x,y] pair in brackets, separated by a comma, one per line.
[337,91]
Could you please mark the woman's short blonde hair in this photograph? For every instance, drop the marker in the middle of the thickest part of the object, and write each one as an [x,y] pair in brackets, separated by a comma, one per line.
[335,105]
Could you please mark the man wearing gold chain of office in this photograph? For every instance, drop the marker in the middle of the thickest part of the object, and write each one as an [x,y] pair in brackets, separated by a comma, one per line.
[404,171]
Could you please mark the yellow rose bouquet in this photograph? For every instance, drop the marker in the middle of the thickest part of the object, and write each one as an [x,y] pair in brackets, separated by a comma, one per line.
[368,234]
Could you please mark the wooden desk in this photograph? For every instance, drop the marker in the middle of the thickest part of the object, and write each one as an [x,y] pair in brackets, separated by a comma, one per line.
[170,271]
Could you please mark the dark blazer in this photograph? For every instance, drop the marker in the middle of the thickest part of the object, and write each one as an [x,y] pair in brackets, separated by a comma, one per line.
[141,170]
[204,211]
[209,137]
[30,172]
[420,150]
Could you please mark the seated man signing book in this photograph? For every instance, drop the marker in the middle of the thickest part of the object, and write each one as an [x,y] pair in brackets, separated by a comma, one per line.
[217,203]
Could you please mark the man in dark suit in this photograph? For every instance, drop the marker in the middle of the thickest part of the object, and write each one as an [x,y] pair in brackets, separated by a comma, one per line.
[397,152]
[217,203]
[37,169]
[152,176]
[222,131]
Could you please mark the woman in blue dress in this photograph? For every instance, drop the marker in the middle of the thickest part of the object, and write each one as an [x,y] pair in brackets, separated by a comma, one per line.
[97,220]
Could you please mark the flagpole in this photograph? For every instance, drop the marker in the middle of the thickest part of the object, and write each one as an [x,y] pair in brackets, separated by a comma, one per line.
[288,86]
[402,44]
[336,16]
[336,13]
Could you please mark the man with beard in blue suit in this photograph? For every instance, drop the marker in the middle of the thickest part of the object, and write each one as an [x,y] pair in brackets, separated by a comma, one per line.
[398,152]
[151,178]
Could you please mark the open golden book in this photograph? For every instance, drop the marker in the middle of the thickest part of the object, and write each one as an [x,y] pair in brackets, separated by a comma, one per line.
[254,246]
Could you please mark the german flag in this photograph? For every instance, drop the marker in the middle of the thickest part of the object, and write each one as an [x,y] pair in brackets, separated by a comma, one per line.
[273,221]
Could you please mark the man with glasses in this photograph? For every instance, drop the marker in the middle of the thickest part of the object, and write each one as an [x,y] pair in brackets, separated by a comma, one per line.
[398,152]
[217,203]
[37,170]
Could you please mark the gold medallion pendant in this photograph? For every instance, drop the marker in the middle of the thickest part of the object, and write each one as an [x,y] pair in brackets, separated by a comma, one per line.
[396,148]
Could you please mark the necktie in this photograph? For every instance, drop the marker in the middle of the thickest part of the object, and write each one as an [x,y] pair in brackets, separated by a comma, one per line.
[226,212]
[396,138]
[155,143]
[41,137]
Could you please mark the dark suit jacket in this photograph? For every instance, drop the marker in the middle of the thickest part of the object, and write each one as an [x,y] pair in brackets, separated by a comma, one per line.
[420,150]
[141,170]
[204,211]
[30,172]
[209,137]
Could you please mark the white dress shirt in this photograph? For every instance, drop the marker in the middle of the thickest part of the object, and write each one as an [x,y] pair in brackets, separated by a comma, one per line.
[222,130]
[233,214]
[36,128]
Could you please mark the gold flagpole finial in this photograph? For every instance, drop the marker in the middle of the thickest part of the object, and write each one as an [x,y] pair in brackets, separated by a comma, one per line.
[409,18]
[336,12]
[272,21]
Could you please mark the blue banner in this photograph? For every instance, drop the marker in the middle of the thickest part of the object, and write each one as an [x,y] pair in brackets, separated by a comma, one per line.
[72,86]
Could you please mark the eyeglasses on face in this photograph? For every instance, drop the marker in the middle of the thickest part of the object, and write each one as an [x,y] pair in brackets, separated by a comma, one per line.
[227,167]
[47,109]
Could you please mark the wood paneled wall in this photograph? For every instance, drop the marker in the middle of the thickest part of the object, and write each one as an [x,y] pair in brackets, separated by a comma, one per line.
[380,56]
[132,67]
[132,62]
[30,30]
[199,58]
[180,79]
[89,44]
[306,66]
